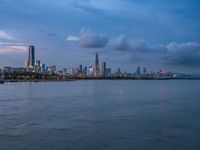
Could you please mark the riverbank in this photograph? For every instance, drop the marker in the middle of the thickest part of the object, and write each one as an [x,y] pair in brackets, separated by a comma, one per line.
[91,78]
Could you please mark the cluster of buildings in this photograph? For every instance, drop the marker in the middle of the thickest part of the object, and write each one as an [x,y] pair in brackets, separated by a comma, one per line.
[91,71]
[34,65]
[31,65]
[96,70]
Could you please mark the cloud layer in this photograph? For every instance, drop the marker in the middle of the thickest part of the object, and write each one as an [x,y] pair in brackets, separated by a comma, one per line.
[183,54]
[88,39]
[91,40]
[13,49]
[72,38]
[5,36]
[8,46]
[173,54]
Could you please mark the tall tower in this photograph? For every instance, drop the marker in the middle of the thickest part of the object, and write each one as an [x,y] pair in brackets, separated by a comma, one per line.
[103,69]
[96,66]
[31,56]
[138,70]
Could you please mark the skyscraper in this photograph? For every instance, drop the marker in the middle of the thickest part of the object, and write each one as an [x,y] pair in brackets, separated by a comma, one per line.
[80,69]
[85,71]
[31,56]
[91,71]
[96,66]
[138,70]
[37,66]
[103,69]
[43,68]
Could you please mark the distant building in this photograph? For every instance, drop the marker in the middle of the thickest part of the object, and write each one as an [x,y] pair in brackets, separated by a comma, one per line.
[19,69]
[7,69]
[43,67]
[108,72]
[118,72]
[72,71]
[144,70]
[60,72]
[138,70]
[52,69]
[96,66]
[31,57]
[85,71]
[91,71]
[103,69]
[65,71]
[37,66]
[80,69]
[26,64]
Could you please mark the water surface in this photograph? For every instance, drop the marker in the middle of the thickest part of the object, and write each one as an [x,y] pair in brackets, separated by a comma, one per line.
[100,115]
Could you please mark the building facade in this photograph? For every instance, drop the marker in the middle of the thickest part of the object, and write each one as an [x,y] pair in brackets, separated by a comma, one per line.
[103,69]
[31,57]
[96,66]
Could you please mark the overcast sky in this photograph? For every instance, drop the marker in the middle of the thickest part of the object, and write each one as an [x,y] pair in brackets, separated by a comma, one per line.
[150,33]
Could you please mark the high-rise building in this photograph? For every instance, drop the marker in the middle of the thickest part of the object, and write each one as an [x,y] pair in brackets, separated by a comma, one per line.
[85,71]
[31,56]
[138,70]
[103,69]
[72,71]
[65,71]
[43,68]
[37,66]
[96,66]
[80,69]
[90,71]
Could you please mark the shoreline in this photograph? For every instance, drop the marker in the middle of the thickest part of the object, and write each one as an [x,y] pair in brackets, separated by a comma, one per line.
[77,79]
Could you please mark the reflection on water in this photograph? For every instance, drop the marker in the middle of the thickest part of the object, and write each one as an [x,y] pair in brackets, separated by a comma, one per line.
[104,115]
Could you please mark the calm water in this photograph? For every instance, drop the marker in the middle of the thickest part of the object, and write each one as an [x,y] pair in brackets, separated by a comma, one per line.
[100,115]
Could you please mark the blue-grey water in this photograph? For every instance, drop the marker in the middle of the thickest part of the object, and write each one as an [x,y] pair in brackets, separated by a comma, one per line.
[100,115]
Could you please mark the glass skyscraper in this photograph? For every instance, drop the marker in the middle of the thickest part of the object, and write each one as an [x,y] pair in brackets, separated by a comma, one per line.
[31,56]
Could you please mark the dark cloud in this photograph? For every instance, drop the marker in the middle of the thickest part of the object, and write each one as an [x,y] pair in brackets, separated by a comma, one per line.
[121,43]
[124,44]
[91,40]
[173,54]
[184,54]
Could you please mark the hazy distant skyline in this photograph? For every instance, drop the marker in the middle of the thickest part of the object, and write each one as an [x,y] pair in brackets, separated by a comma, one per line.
[127,33]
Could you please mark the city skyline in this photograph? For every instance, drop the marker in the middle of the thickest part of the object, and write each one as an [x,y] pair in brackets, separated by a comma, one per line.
[127,34]
[35,66]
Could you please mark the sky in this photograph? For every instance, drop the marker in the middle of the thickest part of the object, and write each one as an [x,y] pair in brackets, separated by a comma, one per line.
[126,33]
